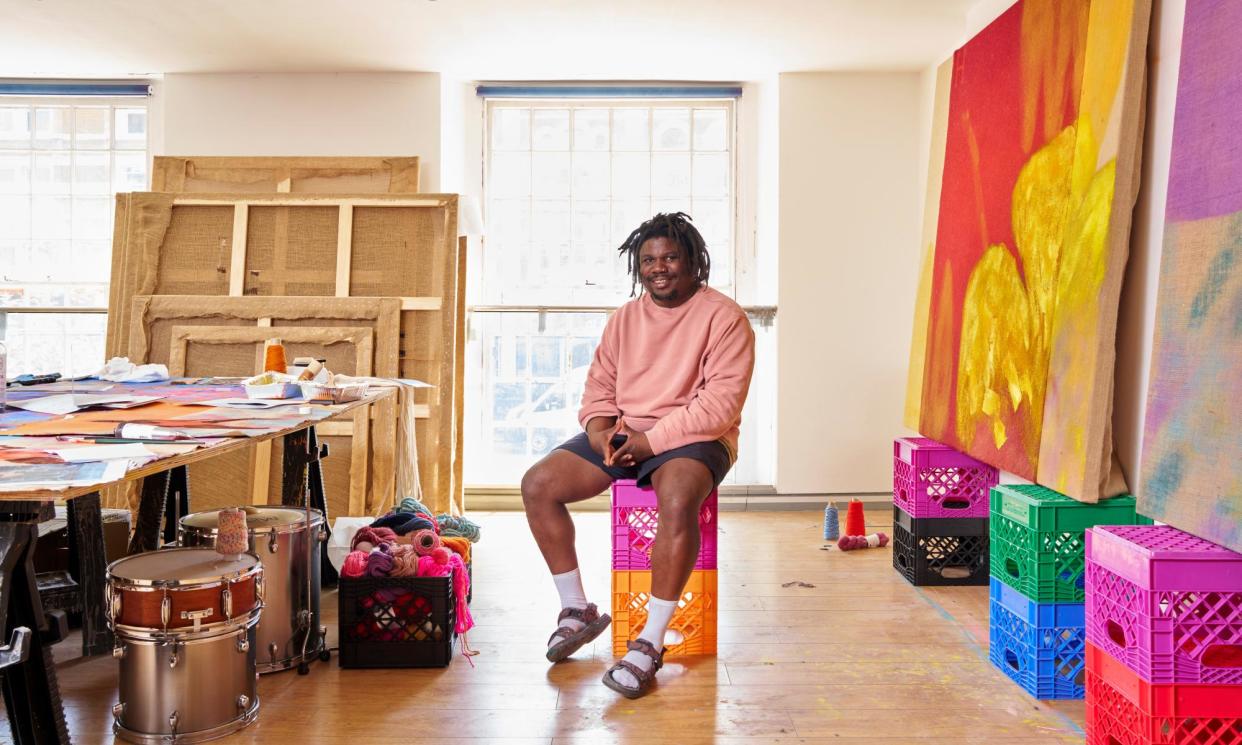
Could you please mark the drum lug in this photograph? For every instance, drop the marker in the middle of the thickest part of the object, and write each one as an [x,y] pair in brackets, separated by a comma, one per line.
[226,603]
[118,709]
[172,659]
[304,619]
[118,652]
[243,701]
[243,644]
[272,650]
[323,535]
[166,610]
[173,719]
[272,542]
[258,588]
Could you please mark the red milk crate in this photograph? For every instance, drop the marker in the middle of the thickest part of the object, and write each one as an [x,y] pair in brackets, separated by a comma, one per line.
[694,619]
[1124,709]
[635,519]
[1166,603]
[934,480]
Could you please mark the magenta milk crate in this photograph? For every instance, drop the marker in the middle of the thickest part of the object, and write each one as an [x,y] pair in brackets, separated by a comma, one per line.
[934,480]
[635,519]
[1165,603]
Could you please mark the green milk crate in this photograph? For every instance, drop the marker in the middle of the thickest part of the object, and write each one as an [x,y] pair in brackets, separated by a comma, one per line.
[1036,538]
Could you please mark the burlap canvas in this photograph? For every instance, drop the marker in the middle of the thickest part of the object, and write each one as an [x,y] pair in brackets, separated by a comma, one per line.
[286,175]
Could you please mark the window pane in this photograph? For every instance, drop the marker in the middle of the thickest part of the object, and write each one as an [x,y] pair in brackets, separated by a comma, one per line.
[550,129]
[709,129]
[550,174]
[631,175]
[628,215]
[53,128]
[15,173]
[51,217]
[92,128]
[510,175]
[591,175]
[129,172]
[672,129]
[711,217]
[509,218]
[131,129]
[550,222]
[15,129]
[14,217]
[670,174]
[590,221]
[591,129]
[630,129]
[91,216]
[53,173]
[511,129]
[54,342]
[90,173]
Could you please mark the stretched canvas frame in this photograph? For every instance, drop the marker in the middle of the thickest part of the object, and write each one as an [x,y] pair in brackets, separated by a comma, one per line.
[321,175]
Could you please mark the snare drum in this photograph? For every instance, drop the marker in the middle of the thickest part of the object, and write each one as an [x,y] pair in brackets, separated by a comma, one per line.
[289,551]
[163,591]
[185,623]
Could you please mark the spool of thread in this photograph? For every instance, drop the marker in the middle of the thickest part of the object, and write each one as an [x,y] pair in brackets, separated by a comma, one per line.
[232,535]
[274,357]
[854,542]
[855,522]
[425,541]
[832,525]
[311,370]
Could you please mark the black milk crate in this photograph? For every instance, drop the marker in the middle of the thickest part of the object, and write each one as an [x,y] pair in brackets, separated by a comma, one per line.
[396,621]
[940,550]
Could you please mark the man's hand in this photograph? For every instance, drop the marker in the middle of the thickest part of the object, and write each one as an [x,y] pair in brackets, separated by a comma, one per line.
[635,450]
[599,431]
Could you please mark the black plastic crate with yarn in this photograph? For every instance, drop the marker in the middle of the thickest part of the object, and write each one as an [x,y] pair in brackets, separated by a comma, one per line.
[940,550]
[396,621]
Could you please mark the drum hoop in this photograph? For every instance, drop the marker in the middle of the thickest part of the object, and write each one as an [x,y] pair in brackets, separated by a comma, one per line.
[204,583]
[186,633]
[298,527]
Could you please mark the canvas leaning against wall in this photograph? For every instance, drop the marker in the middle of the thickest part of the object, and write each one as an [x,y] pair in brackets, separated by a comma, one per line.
[1026,230]
[1191,473]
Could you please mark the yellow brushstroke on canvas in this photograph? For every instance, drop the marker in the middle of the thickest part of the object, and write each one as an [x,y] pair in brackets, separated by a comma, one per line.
[938,384]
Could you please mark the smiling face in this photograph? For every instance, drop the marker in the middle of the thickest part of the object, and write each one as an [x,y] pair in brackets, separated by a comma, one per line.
[665,273]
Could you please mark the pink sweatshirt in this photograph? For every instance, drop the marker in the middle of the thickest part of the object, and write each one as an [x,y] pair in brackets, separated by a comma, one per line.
[679,374]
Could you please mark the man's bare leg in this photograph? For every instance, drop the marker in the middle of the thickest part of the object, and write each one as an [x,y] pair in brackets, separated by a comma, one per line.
[559,479]
[681,485]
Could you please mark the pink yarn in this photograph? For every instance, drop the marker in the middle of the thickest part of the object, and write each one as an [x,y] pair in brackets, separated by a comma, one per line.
[404,561]
[461,589]
[373,536]
[429,567]
[442,555]
[355,564]
[425,541]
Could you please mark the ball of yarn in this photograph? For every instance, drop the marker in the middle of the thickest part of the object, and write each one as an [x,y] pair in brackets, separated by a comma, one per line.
[232,535]
[425,541]
[355,564]
[379,564]
[441,555]
[459,546]
[412,505]
[404,561]
[429,567]
[403,523]
[458,527]
[373,536]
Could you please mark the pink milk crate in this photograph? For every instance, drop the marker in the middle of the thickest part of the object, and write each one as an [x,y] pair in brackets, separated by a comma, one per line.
[934,480]
[634,523]
[1165,603]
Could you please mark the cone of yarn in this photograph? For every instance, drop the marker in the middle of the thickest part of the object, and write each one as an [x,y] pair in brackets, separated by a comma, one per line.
[855,522]
[355,564]
[459,546]
[425,541]
[232,536]
[274,357]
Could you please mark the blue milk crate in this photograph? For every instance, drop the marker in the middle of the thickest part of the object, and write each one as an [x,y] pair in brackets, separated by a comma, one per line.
[1040,646]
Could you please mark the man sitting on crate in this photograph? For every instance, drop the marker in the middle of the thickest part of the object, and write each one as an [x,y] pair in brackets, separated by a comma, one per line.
[662,405]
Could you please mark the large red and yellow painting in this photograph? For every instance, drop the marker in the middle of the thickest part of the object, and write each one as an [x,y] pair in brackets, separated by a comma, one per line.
[1033,176]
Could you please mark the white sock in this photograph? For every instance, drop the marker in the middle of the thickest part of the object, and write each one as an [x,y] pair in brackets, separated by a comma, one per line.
[569,587]
[659,613]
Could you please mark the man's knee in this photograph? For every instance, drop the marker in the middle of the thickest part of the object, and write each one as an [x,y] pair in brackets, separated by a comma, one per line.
[679,508]
[537,485]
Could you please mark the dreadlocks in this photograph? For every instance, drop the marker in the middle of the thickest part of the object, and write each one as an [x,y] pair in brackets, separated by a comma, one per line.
[678,228]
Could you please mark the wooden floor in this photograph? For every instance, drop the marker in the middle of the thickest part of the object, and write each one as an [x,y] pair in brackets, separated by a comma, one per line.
[860,657]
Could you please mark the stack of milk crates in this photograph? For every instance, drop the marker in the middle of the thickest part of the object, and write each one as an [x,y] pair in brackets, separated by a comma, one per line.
[635,522]
[1164,638]
[1037,624]
[940,513]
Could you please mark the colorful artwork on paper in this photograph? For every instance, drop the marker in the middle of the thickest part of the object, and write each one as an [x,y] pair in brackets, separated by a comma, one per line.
[1191,472]
[1026,242]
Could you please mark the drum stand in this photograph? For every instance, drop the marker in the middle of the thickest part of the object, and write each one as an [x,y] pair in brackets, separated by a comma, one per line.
[302,486]
[31,693]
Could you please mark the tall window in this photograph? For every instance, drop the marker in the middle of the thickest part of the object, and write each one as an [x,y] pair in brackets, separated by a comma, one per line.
[565,182]
[61,162]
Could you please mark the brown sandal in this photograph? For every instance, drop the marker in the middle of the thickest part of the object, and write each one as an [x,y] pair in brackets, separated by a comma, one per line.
[645,678]
[571,641]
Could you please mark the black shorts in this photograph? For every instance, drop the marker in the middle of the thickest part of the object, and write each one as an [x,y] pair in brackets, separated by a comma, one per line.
[714,455]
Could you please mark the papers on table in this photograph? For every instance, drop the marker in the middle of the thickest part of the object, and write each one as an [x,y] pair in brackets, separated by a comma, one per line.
[84,453]
[252,403]
[68,403]
[14,476]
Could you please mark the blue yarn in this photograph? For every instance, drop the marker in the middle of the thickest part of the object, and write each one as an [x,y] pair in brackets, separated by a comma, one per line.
[458,527]
[832,526]
[410,504]
[402,524]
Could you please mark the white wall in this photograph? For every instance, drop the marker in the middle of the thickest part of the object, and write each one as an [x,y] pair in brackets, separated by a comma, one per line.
[848,227]
[303,114]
